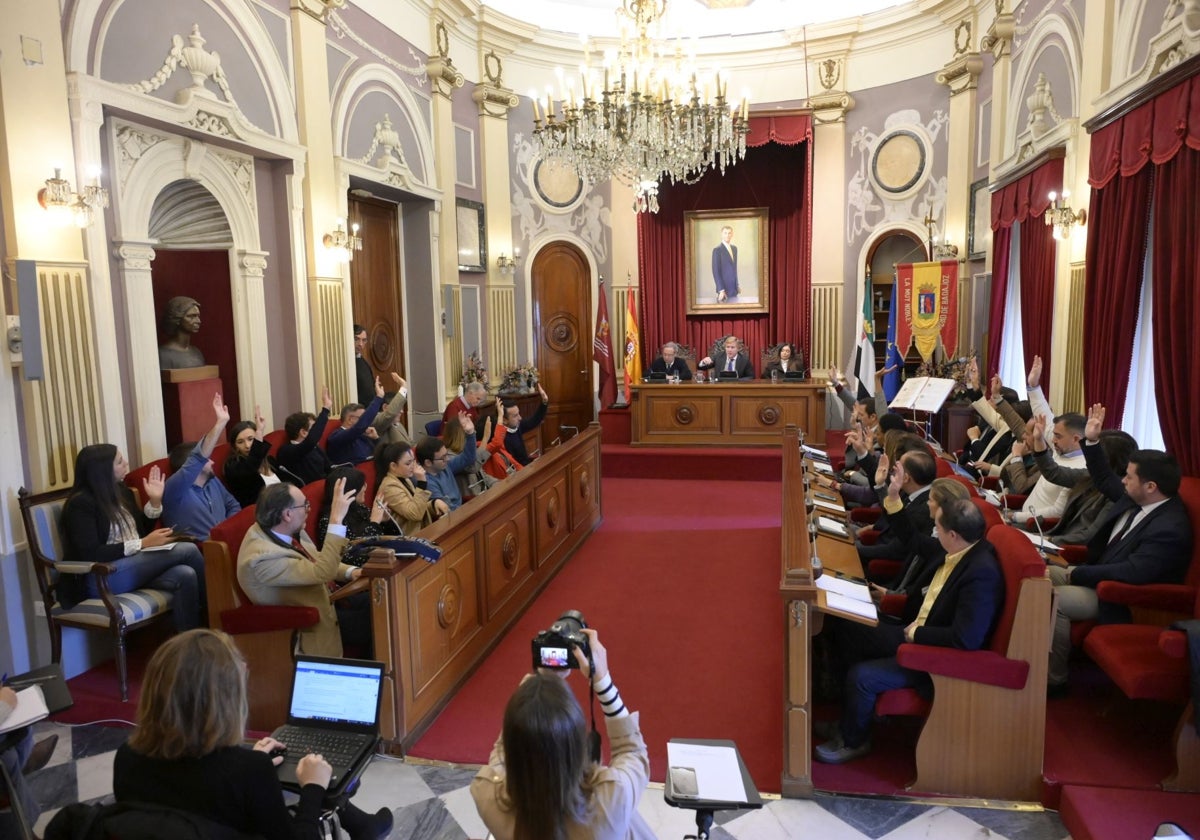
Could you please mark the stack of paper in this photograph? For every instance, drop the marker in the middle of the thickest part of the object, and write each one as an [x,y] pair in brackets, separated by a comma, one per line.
[1041,541]
[31,707]
[831,526]
[813,452]
[847,596]
[718,776]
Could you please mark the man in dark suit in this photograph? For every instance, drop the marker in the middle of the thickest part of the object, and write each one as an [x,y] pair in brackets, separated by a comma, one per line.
[917,470]
[514,428]
[959,611]
[670,363]
[1146,537]
[733,361]
[364,376]
[724,267]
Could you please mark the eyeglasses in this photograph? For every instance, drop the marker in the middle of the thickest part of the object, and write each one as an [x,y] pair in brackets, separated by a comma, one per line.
[441,458]
[307,504]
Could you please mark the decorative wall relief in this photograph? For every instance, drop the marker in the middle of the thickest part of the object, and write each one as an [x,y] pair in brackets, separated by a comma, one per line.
[199,62]
[339,27]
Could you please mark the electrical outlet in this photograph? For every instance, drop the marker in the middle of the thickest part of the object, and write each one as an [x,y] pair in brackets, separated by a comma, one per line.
[39,609]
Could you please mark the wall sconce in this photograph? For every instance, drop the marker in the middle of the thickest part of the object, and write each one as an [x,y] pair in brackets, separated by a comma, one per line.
[64,205]
[507,264]
[945,251]
[1062,217]
[342,245]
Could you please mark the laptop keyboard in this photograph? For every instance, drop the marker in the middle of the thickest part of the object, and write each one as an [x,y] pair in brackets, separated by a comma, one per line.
[336,747]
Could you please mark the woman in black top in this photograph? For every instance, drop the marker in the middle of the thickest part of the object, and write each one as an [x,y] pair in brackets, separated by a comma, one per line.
[360,521]
[249,466]
[101,523]
[187,750]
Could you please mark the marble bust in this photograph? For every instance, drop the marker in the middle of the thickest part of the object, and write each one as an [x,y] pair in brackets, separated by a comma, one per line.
[181,321]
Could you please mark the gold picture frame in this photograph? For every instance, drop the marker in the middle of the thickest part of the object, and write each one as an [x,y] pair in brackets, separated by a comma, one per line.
[706,255]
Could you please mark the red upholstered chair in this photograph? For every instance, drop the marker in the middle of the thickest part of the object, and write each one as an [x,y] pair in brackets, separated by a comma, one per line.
[134,478]
[219,454]
[1150,663]
[985,730]
[944,470]
[367,468]
[277,439]
[314,492]
[264,634]
[966,482]
[835,447]
[333,425]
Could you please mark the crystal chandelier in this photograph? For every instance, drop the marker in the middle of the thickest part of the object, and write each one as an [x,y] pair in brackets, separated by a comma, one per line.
[654,116]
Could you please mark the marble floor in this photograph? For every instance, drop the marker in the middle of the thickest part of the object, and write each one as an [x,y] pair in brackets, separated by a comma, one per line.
[432,802]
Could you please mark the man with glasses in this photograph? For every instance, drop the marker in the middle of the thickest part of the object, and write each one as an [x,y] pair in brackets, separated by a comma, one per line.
[440,466]
[279,565]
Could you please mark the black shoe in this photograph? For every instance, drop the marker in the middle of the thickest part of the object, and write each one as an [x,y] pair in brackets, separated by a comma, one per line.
[40,755]
[381,823]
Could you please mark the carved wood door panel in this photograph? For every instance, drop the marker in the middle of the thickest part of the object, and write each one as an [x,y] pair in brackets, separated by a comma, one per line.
[375,286]
[562,309]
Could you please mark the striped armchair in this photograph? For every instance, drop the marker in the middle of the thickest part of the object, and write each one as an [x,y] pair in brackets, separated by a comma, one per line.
[115,615]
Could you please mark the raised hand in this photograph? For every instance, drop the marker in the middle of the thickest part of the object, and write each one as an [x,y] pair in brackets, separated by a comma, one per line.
[857,441]
[153,485]
[378,388]
[220,410]
[342,498]
[1035,373]
[487,431]
[542,391]
[1019,449]
[260,423]
[399,380]
[882,469]
[996,385]
[1095,423]
[899,476]
[464,420]
[973,374]
[326,398]
[371,433]
[879,374]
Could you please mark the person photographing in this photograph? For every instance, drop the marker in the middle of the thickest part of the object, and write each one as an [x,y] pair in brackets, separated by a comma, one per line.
[540,782]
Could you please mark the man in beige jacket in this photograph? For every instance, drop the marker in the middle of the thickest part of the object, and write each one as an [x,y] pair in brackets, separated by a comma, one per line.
[279,565]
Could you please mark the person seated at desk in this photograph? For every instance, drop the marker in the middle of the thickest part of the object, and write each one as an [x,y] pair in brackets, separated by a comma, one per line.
[389,424]
[279,565]
[469,403]
[194,499]
[187,750]
[440,466]
[959,610]
[514,427]
[249,466]
[354,441]
[734,361]
[789,360]
[400,485]
[671,364]
[301,458]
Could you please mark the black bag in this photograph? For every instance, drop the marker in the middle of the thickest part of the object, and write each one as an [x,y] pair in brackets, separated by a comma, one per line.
[135,821]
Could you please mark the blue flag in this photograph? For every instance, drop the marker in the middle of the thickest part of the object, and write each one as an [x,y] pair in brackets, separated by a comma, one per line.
[892,381]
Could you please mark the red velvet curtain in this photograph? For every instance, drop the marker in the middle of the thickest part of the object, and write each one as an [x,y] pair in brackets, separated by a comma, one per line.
[776,173]
[1176,268]
[1024,201]
[1122,185]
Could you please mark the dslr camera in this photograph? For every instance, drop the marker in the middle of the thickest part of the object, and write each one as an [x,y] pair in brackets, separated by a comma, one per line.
[553,648]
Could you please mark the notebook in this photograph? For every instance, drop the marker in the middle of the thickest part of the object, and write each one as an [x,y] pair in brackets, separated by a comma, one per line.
[333,711]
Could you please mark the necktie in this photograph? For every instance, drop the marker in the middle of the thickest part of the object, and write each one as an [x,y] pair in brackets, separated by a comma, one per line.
[296,544]
[729,365]
[1120,535]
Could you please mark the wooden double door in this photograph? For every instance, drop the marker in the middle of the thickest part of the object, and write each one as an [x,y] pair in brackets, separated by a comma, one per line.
[562,311]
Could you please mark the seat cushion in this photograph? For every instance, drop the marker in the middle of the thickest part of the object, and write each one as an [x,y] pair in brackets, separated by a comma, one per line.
[136,606]
[1130,655]
[902,701]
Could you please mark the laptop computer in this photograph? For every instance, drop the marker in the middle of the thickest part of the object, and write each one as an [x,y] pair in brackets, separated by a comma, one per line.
[333,711]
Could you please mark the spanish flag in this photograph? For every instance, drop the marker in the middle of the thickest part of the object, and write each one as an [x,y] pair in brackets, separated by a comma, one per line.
[633,358]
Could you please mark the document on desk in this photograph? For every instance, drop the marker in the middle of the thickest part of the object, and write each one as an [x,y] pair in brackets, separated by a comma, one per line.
[831,526]
[1041,541]
[821,466]
[847,596]
[830,506]
[813,452]
[718,777]
[31,707]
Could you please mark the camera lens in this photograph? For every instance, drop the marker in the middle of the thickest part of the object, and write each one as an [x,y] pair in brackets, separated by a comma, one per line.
[571,621]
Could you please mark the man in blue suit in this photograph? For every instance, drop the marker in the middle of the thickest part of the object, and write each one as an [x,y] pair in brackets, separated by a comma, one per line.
[724,267]
[959,610]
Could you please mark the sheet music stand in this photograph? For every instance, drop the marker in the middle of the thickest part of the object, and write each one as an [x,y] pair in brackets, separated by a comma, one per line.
[706,808]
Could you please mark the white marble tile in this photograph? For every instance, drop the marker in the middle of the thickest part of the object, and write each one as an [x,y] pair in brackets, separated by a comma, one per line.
[462,807]
[665,820]
[95,775]
[62,750]
[791,819]
[942,824]
[390,783]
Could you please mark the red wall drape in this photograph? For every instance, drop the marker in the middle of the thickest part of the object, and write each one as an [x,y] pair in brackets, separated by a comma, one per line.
[1165,132]
[1024,201]
[776,173]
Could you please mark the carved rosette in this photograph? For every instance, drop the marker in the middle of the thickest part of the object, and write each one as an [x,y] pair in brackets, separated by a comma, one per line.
[685,414]
[510,552]
[552,513]
[769,414]
[585,485]
[448,605]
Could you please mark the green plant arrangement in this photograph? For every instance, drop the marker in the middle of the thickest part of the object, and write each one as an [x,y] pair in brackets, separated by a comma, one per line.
[519,379]
[473,371]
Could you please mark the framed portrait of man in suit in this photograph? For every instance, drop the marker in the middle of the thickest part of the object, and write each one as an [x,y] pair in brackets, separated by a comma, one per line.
[726,260]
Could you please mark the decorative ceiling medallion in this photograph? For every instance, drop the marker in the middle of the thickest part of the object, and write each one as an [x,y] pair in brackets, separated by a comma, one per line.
[899,162]
[557,185]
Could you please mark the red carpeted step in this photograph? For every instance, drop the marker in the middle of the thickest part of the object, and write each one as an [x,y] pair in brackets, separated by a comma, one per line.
[691,463]
[1103,813]
[681,581]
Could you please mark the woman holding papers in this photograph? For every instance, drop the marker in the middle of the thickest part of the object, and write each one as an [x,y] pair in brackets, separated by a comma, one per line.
[541,784]
[187,752]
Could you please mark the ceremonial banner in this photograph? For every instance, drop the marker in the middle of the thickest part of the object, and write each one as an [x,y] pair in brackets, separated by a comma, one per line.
[633,356]
[928,300]
[602,352]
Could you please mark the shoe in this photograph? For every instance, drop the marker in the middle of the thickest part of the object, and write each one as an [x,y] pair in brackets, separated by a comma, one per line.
[827,730]
[835,752]
[40,755]
[1056,691]
[381,823]
[362,826]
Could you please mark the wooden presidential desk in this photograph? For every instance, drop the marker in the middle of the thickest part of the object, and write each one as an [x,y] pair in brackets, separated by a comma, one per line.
[726,414]
[434,623]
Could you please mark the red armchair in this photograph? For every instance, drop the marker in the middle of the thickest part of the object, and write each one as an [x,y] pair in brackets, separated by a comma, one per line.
[1150,663]
[985,731]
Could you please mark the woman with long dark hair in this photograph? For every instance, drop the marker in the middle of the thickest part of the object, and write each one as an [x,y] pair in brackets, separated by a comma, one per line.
[101,523]
[249,467]
[540,782]
[187,753]
[400,485]
[360,520]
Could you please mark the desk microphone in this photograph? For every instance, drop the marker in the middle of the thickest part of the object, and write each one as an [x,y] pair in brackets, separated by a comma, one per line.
[574,429]
[1037,520]
[388,513]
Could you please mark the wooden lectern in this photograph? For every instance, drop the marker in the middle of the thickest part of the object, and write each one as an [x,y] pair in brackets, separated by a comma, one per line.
[187,401]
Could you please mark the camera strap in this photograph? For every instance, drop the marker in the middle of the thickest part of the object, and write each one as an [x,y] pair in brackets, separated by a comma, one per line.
[594,735]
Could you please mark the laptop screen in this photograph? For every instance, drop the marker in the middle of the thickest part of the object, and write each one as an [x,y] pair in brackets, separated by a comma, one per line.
[336,693]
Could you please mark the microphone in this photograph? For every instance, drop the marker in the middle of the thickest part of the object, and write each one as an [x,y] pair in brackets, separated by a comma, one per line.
[555,442]
[574,429]
[1037,520]
[388,513]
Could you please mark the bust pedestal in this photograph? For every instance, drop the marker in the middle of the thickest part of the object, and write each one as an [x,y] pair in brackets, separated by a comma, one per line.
[187,401]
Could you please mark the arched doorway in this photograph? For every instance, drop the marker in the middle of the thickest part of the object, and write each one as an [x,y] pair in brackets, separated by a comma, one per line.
[192,258]
[562,308]
[891,248]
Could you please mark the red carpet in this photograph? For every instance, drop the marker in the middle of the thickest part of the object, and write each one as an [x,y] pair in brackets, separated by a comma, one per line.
[681,582]
[708,463]
[97,693]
